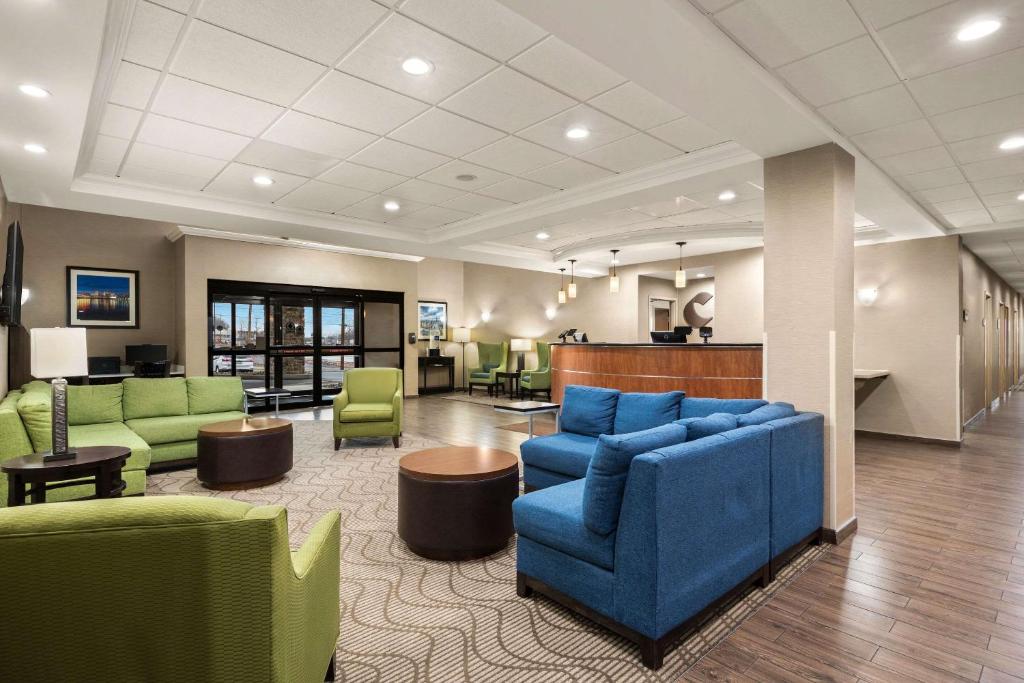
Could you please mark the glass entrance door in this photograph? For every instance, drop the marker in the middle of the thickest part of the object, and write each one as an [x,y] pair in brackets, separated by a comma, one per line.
[340,342]
[292,366]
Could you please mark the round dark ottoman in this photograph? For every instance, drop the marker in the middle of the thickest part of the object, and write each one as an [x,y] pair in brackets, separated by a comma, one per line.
[244,454]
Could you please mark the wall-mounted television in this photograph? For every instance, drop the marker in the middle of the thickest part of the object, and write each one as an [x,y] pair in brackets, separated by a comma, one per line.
[10,294]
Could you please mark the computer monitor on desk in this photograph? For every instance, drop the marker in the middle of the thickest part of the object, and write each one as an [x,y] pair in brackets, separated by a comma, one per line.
[145,353]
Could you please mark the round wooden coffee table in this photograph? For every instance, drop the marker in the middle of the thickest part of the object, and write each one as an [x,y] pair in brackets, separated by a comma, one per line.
[244,454]
[455,503]
[28,475]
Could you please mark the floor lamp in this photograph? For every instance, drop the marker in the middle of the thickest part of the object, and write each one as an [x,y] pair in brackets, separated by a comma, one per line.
[461,335]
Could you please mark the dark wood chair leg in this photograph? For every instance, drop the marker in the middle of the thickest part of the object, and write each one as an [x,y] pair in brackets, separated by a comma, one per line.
[470,388]
[337,444]
[397,441]
[652,653]
[522,590]
[766,576]
[329,676]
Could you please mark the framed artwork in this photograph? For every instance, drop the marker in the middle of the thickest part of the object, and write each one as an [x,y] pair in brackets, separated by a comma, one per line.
[433,320]
[98,297]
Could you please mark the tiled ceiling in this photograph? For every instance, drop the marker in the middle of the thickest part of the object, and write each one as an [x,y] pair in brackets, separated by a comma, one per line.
[312,95]
[893,78]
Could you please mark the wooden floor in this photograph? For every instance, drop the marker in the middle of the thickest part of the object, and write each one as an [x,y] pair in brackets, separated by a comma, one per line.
[931,588]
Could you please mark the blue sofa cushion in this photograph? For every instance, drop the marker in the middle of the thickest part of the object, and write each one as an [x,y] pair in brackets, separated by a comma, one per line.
[772,411]
[636,412]
[564,453]
[554,517]
[712,424]
[703,407]
[589,410]
[606,476]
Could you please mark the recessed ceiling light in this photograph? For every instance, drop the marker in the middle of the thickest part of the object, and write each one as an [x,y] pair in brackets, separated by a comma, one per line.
[263,180]
[417,66]
[979,28]
[577,133]
[33,90]
[392,205]
[35,148]
[726,196]
[465,177]
[1016,142]
[542,235]
[702,274]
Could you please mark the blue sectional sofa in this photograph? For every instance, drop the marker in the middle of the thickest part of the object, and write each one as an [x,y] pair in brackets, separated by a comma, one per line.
[649,511]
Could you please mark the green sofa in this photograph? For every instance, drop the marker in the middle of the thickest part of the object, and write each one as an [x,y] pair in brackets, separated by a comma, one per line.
[370,404]
[232,604]
[532,381]
[158,419]
[491,359]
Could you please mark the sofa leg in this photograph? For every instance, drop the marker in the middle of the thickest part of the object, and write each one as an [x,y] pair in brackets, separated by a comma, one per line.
[820,538]
[522,590]
[397,441]
[766,576]
[329,676]
[337,443]
[652,653]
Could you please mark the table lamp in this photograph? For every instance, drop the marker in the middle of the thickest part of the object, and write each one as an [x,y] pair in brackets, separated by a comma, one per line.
[521,346]
[461,336]
[59,352]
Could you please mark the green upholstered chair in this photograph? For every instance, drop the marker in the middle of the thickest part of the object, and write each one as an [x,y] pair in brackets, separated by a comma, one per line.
[491,359]
[540,379]
[231,603]
[370,404]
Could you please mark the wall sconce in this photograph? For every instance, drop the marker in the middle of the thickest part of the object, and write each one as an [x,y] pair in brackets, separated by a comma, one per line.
[550,312]
[485,316]
[867,295]
[26,293]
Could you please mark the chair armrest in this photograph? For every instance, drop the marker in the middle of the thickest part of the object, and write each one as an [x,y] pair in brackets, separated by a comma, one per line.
[340,401]
[323,542]
[396,408]
[313,614]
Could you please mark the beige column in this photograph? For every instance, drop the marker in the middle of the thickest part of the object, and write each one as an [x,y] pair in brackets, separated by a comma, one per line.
[808,304]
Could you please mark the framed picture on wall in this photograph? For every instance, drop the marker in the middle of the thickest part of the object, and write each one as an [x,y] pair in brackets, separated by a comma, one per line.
[102,297]
[432,317]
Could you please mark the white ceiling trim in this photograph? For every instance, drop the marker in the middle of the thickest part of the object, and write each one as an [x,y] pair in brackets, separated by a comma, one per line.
[183,230]
[670,234]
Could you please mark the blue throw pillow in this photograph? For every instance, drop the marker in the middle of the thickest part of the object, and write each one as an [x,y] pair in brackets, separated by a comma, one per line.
[636,412]
[712,424]
[589,410]
[703,407]
[606,475]
[772,411]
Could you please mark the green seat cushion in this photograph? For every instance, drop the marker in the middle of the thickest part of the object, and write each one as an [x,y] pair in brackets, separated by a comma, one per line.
[158,430]
[95,403]
[179,450]
[34,409]
[154,397]
[112,434]
[214,394]
[14,439]
[366,412]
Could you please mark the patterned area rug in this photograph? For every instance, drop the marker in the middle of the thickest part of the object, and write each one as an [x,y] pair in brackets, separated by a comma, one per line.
[405,619]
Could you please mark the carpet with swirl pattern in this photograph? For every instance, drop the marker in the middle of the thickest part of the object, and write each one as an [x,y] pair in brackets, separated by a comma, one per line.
[407,619]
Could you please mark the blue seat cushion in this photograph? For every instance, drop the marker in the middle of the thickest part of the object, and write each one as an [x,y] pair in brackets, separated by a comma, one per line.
[636,412]
[564,453]
[589,410]
[703,407]
[480,375]
[606,476]
[712,424]
[554,517]
[772,411]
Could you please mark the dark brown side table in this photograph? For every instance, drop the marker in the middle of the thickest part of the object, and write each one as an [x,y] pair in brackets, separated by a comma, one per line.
[29,477]
[455,503]
[511,379]
[244,454]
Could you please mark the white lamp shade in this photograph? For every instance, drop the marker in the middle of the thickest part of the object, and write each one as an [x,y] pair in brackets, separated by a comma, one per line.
[613,284]
[561,296]
[460,334]
[59,352]
[572,290]
[680,279]
[521,344]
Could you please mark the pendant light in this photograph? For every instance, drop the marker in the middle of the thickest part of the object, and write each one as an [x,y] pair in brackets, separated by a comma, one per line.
[572,278]
[561,286]
[613,281]
[680,274]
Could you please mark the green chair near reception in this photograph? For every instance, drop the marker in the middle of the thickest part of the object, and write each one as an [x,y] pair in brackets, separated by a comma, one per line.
[538,380]
[491,359]
[232,602]
[370,404]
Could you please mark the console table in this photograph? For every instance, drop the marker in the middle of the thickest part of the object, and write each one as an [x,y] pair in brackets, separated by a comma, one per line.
[427,362]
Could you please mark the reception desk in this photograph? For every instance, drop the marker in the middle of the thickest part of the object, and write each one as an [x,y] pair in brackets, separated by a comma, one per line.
[712,370]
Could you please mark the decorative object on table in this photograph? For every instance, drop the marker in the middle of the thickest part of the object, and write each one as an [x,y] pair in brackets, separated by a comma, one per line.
[705,333]
[538,380]
[244,454]
[561,286]
[461,335]
[59,352]
[434,347]
[568,336]
[29,475]
[492,359]
[432,319]
[572,278]
[613,281]
[102,297]
[680,273]
[520,347]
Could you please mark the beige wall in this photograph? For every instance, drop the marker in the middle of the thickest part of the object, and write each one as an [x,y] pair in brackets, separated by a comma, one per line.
[441,280]
[8,213]
[911,331]
[204,259]
[654,288]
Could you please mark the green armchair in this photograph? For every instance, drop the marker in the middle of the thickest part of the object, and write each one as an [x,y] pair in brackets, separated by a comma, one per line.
[491,359]
[370,404]
[531,381]
[232,602]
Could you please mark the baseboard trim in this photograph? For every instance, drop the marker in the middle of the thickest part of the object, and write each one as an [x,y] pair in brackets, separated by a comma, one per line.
[837,536]
[950,443]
